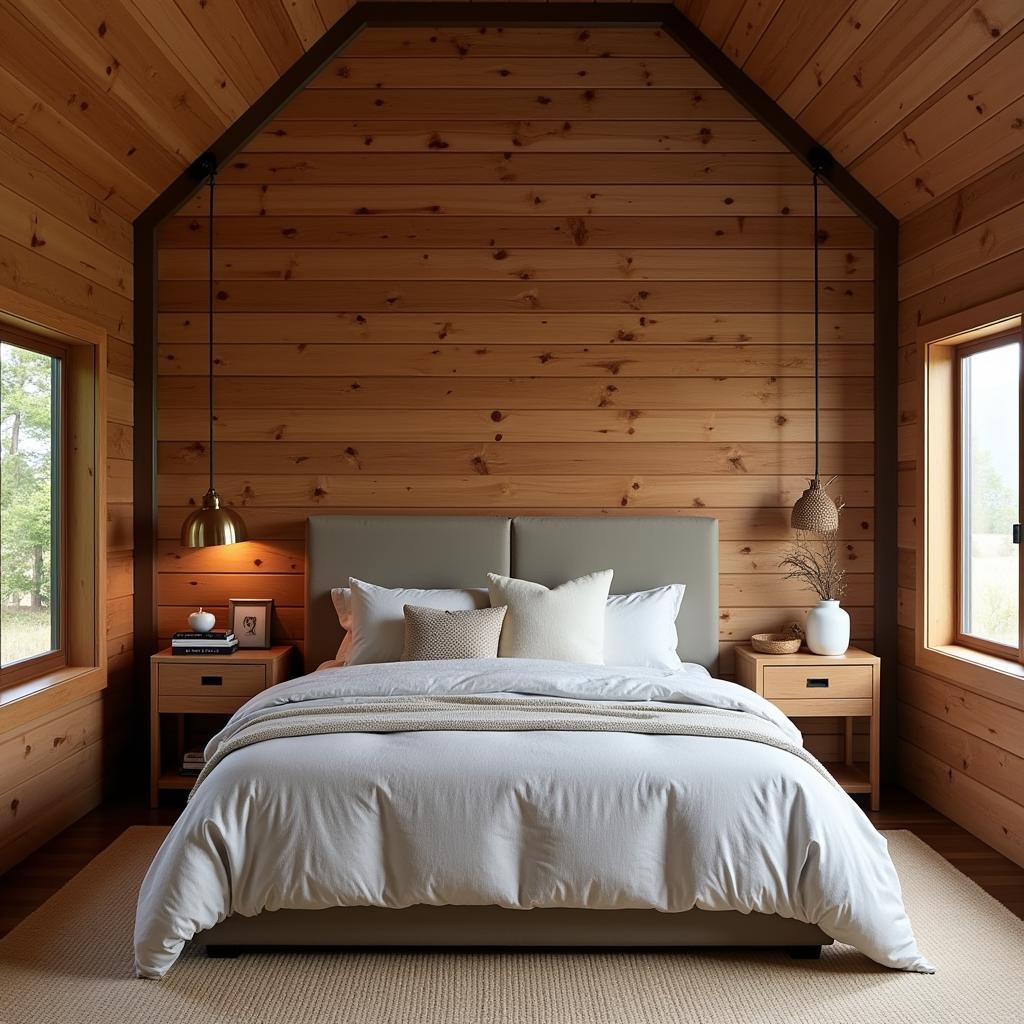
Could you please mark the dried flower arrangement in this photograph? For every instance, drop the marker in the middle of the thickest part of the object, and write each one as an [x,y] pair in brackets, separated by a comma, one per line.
[814,560]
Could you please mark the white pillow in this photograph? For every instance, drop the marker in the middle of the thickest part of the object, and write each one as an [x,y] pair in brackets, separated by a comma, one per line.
[563,624]
[377,618]
[640,628]
[341,597]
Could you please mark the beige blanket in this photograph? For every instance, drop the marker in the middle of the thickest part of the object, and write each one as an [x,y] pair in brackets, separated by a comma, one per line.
[501,713]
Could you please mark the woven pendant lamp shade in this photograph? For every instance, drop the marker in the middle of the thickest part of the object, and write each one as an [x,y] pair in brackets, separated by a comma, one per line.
[815,511]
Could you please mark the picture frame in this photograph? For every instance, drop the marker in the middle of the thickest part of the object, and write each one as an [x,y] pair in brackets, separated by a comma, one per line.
[249,618]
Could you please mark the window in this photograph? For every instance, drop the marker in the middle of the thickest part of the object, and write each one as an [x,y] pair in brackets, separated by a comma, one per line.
[967,510]
[52,522]
[989,375]
[32,417]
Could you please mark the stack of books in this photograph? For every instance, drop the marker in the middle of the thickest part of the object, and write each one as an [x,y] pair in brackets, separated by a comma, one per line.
[192,763]
[217,641]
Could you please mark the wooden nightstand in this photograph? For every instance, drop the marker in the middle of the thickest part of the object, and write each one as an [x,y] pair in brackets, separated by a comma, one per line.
[192,685]
[806,685]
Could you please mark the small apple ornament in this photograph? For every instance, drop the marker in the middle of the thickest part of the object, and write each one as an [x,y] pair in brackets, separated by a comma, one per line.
[201,622]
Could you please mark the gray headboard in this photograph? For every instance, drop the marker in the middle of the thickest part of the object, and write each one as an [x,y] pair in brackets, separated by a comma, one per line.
[458,551]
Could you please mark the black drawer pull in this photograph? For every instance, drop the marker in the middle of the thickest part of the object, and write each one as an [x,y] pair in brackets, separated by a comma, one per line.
[211,680]
[818,684]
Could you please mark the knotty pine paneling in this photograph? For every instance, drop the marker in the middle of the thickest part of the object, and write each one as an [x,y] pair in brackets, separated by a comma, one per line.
[915,99]
[748,329]
[510,102]
[511,137]
[517,265]
[65,247]
[459,282]
[465,362]
[449,232]
[425,296]
[341,393]
[501,166]
[960,751]
[511,41]
[352,72]
[515,199]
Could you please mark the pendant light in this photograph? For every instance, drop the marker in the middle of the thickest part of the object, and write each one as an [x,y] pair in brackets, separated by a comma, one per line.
[815,511]
[213,524]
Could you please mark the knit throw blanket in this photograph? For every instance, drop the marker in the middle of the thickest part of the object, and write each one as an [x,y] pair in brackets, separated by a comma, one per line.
[502,713]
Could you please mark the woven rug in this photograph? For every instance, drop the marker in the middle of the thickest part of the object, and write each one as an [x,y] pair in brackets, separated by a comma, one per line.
[70,962]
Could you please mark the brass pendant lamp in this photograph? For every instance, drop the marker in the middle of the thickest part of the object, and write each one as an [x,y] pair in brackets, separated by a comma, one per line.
[214,523]
[815,511]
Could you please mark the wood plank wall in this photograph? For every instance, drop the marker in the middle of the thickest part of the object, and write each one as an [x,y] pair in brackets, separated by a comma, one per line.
[563,274]
[960,751]
[63,246]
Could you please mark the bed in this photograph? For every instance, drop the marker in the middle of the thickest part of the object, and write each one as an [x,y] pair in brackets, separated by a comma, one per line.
[326,821]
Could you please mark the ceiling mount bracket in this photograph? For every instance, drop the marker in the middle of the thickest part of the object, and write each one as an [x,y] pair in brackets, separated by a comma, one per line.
[204,167]
[821,161]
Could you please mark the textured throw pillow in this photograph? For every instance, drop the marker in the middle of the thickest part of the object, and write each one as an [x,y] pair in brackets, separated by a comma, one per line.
[640,628]
[434,634]
[563,624]
[378,617]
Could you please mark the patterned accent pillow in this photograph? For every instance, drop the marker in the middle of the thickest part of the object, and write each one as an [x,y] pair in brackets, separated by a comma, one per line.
[436,634]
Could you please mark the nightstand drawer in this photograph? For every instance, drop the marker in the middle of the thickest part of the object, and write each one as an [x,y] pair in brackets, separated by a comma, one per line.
[211,680]
[791,682]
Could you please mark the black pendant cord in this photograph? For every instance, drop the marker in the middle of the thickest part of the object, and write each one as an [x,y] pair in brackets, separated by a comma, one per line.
[210,321]
[817,340]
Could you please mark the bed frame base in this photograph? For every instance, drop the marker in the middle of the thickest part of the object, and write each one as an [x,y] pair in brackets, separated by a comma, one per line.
[234,952]
[804,952]
[497,927]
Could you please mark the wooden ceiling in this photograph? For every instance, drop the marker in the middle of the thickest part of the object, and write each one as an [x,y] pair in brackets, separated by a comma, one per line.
[916,97]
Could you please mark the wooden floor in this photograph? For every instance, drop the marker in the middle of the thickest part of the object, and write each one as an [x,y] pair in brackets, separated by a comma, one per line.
[38,877]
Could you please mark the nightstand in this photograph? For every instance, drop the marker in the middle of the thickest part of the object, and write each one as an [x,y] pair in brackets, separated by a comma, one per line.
[189,684]
[806,685]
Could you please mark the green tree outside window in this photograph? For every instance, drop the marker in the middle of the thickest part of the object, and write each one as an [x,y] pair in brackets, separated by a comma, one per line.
[29,428]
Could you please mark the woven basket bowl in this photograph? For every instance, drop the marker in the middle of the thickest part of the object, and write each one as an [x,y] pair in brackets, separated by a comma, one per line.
[775,643]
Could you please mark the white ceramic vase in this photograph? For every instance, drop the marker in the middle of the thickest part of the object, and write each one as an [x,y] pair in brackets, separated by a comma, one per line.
[828,629]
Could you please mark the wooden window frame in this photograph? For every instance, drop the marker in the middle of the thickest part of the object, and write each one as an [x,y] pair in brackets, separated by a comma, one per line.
[31,668]
[84,625]
[964,350]
[938,649]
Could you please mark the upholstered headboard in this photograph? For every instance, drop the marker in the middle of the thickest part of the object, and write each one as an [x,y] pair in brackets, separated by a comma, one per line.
[458,551]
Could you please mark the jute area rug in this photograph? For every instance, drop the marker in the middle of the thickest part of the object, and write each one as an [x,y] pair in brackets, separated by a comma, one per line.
[71,960]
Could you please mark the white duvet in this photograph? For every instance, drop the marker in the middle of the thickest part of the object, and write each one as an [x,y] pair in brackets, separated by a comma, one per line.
[520,816]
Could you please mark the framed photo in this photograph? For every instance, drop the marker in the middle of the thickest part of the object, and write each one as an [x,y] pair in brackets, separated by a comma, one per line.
[249,619]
